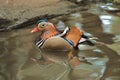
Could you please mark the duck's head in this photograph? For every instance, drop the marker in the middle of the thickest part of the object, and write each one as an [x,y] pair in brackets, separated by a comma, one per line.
[43,25]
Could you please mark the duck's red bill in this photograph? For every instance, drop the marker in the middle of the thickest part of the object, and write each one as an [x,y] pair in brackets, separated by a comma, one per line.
[35,30]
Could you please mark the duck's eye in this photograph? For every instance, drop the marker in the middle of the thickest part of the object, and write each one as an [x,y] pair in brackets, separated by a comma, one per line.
[43,25]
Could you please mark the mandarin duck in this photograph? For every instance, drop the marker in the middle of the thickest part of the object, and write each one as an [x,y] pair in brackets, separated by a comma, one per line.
[69,38]
[52,39]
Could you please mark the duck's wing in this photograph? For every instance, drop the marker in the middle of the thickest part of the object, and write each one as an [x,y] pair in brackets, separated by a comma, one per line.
[56,43]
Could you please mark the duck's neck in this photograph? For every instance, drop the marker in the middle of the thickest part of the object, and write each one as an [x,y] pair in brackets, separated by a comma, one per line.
[49,33]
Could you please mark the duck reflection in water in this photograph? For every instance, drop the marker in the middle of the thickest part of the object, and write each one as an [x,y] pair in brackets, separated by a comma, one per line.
[52,39]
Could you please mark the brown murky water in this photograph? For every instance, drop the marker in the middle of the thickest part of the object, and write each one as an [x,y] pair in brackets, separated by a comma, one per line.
[17,48]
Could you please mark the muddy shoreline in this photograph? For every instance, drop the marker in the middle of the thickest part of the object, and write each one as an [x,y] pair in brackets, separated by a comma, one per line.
[14,16]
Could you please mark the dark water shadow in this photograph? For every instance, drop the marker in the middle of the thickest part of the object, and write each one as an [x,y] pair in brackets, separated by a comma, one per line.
[113,65]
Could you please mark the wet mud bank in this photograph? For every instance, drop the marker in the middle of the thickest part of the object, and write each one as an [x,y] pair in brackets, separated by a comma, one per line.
[17,15]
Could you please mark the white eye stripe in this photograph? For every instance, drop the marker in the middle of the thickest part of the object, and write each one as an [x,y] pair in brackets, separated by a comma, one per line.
[50,24]
[43,24]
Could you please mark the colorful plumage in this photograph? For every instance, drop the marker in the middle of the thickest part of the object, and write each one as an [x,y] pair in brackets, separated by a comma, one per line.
[48,30]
